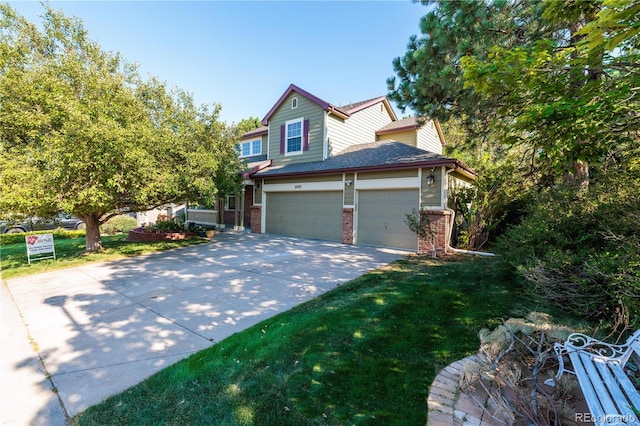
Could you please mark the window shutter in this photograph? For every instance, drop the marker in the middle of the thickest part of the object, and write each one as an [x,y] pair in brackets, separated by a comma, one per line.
[282,130]
[306,136]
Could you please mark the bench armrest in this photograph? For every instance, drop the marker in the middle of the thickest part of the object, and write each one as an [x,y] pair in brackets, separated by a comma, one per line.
[607,352]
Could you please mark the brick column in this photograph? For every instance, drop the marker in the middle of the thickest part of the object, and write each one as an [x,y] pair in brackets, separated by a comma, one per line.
[256,219]
[440,225]
[347,225]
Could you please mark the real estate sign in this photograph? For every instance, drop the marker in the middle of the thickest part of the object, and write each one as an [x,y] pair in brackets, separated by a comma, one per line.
[38,245]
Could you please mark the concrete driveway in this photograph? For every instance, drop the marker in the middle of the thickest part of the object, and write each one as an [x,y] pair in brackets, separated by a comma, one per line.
[92,331]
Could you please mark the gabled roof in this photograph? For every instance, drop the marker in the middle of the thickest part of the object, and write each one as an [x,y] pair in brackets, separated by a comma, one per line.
[343,112]
[359,106]
[380,155]
[293,88]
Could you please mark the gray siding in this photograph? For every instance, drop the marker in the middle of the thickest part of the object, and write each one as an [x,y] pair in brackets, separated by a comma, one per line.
[257,191]
[307,110]
[431,196]
[388,174]
[359,128]
[349,191]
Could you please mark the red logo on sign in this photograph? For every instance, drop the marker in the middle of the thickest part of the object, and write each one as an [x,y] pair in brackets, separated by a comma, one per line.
[31,239]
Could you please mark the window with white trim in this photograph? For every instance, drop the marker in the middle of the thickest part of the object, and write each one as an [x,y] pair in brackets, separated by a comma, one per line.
[293,141]
[249,148]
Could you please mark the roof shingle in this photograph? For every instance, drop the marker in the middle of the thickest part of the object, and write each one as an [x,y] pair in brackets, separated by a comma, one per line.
[375,155]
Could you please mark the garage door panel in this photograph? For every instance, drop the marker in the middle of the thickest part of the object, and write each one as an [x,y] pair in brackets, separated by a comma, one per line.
[305,214]
[381,216]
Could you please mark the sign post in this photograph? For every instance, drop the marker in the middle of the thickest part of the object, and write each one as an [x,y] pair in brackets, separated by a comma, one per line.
[40,244]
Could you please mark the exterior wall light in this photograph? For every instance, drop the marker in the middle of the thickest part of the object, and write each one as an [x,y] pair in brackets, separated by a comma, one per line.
[430,180]
[348,182]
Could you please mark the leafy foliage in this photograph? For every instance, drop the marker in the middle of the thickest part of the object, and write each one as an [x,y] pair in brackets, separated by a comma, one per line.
[118,224]
[81,131]
[580,248]
[419,223]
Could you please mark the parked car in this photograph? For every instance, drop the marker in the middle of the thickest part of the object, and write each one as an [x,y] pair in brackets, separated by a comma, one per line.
[60,220]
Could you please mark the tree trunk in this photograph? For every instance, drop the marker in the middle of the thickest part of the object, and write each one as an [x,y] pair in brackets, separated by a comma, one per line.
[93,241]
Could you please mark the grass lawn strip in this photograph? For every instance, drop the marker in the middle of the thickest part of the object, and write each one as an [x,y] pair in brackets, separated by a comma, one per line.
[364,353]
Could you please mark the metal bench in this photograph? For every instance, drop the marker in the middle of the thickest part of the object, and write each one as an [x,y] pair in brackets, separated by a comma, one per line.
[599,367]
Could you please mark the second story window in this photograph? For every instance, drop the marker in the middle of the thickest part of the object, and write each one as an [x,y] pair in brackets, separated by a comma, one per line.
[249,148]
[294,137]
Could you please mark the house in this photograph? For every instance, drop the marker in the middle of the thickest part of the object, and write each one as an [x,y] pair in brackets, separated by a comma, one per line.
[345,173]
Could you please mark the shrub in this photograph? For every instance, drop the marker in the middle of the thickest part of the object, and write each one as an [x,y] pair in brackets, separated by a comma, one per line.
[580,247]
[169,226]
[58,234]
[118,224]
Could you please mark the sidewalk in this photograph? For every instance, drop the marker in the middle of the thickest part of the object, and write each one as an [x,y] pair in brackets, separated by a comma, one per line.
[26,395]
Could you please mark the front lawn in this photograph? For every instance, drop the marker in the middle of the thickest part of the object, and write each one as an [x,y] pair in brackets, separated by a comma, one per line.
[70,251]
[364,353]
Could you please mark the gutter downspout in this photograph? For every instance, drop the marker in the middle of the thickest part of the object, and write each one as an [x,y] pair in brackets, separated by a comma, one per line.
[453,217]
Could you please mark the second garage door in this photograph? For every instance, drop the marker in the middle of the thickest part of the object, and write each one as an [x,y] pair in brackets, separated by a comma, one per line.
[305,214]
[381,215]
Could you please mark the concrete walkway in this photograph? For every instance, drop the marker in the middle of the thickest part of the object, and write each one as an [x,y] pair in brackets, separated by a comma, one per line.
[72,337]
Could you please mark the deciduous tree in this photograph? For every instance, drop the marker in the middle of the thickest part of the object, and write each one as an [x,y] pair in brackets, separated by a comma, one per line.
[81,131]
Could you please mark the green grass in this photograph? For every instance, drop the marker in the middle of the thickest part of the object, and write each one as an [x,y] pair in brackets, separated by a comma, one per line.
[70,251]
[364,353]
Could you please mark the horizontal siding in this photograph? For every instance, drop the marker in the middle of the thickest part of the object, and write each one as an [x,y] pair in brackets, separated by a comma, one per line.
[360,128]
[431,196]
[407,136]
[428,138]
[388,174]
[307,110]
[303,179]
[349,191]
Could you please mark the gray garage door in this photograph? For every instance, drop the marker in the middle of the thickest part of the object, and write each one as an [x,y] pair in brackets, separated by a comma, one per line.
[305,214]
[381,216]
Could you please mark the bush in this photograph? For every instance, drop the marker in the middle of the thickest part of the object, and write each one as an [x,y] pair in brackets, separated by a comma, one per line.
[580,247]
[58,234]
[118,224]
[169,226]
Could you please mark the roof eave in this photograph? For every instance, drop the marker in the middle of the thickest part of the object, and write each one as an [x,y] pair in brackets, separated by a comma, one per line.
[439,130]
[427,163]
[397,129]
[253,134]
[293,88]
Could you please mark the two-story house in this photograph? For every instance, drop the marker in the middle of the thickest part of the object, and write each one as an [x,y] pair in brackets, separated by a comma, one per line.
[346,173]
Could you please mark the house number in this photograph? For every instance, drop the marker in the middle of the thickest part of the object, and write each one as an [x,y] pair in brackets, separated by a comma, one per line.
[297,187]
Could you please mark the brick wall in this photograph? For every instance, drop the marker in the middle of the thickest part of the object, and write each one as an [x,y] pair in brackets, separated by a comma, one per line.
[256,219]
[440,224]
[347,225]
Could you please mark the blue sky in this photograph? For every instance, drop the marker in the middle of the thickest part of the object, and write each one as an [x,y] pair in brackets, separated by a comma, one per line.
[244,54]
